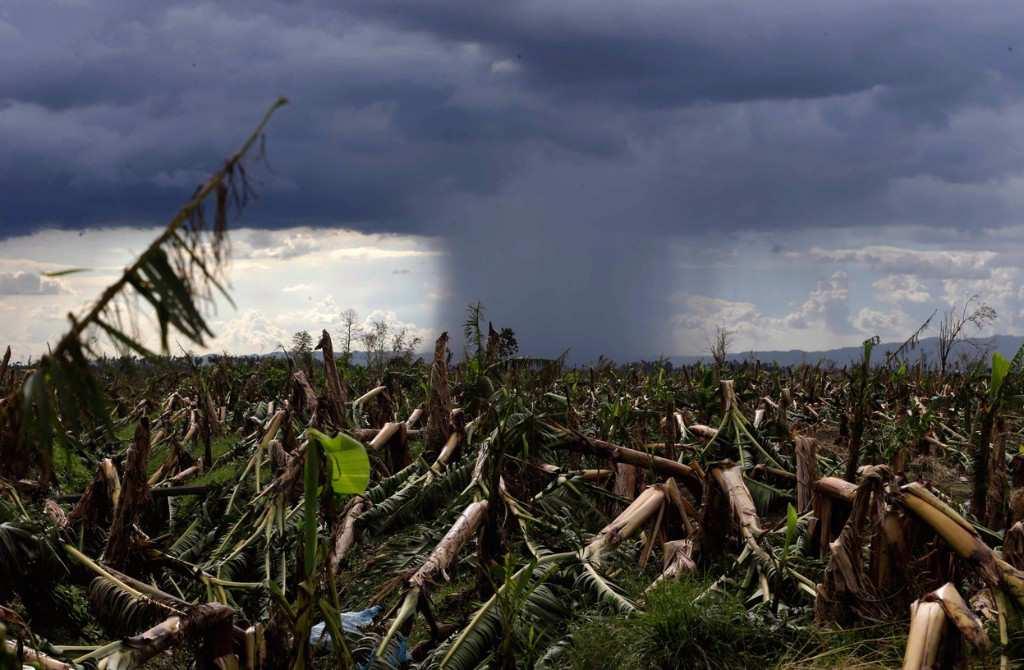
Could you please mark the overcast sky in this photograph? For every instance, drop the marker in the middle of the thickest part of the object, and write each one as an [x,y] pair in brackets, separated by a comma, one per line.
[609,177]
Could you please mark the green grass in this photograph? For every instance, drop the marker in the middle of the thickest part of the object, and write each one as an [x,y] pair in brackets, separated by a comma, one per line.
[867,647]
[219,446]
[226,473]
[674,631]
[71,472]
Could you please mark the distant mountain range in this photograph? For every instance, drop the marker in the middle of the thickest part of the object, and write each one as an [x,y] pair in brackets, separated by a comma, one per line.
[928,347]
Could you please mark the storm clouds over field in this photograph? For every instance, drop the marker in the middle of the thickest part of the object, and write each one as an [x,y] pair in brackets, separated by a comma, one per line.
[616,178]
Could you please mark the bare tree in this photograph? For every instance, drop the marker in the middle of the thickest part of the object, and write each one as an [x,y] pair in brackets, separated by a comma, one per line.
[404,343]
[375,340]
[954,320]
[302,350]
[302,343]
[349,331]
[508,345]
[719,345]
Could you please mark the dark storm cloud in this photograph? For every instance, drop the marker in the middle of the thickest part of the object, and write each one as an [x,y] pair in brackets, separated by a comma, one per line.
[759,115]
[670,53]
[567,140]
[102,107]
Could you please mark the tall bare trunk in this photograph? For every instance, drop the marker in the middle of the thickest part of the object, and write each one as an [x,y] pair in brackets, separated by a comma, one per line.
[134,494]
[625,482]
[439,405]
[997,478]
[982,449]
[98,502]
[806,471]
[336,396]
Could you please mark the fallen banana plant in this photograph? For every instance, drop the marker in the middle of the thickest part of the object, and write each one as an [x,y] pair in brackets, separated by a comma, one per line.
[933,619]
[437,563]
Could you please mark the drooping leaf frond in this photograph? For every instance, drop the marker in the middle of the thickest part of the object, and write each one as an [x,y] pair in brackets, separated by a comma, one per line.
[526,600]
[122,610]
[604,590]
[177,277]
[26,552]
[418,500]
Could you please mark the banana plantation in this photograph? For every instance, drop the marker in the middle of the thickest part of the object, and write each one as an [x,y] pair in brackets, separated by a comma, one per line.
[473,508]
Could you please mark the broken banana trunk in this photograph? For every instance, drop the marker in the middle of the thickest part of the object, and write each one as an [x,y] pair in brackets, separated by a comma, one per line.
[741,506]
[806,471]
[954,529]
[663,466]
[335,396]
[640,511]
[448,548]
[439,561]
[131,500]
[930,619]
[33,657]
[439,404]
[1013,546]
[211,622]
[846,590]
[343,536]
[98,502]
[828,493]
[678,560]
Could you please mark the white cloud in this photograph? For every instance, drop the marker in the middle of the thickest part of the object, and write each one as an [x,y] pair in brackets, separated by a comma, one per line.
[28,283]
[703,312]
[297,288]
[251,332]
[901,288]
[885,324]
[333,244]
[267,244]
[898,260]
[822,316]
[826,303]
[1001,290]
[376,253]
[506,66]
[1000,287]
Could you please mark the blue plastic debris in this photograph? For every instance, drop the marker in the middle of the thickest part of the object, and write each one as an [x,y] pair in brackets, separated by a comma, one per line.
[351,622]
